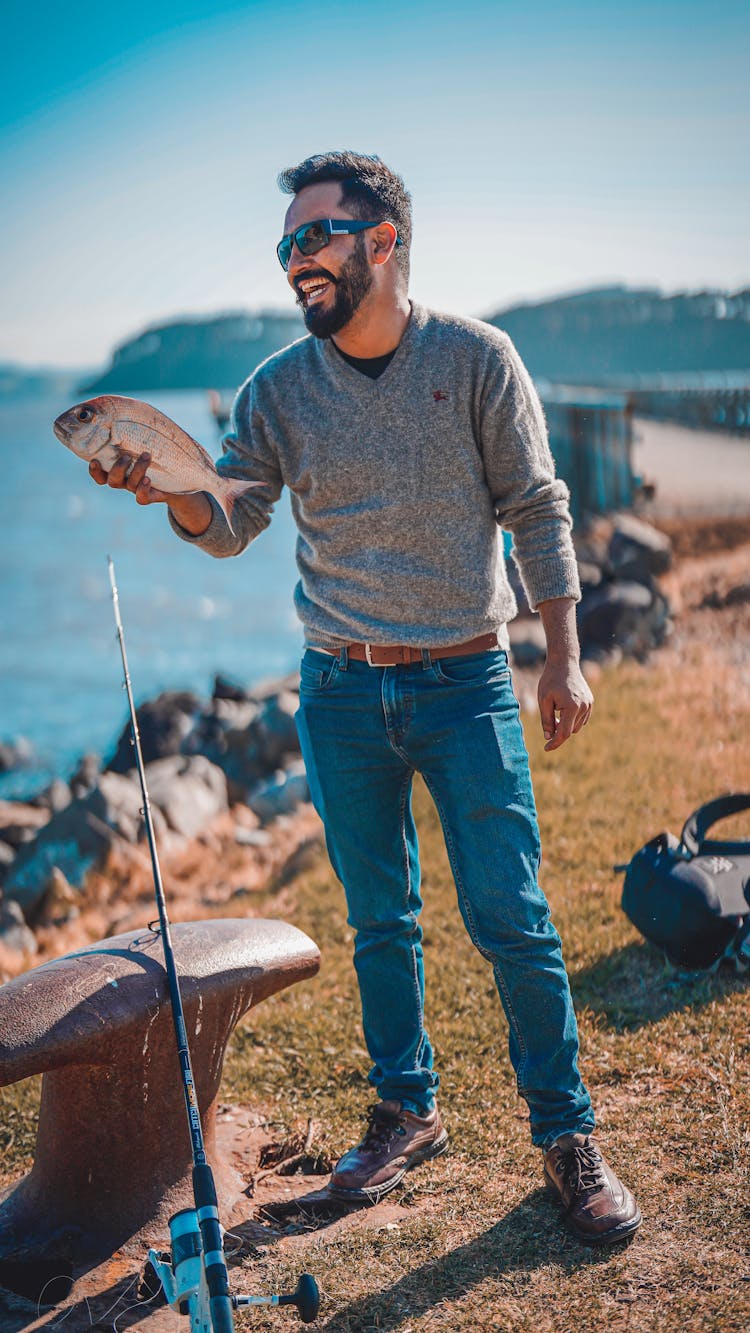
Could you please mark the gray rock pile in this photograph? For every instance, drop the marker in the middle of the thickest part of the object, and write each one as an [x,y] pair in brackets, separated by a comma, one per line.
[623,609]
[200,756]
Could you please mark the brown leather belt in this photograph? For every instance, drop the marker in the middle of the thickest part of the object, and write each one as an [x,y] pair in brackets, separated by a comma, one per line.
[400,654]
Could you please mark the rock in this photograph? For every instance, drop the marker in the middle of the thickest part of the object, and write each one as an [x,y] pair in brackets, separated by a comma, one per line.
[637,551]
[598,657]
[590,575]
[227,689]
[55,797]
[528,644]
[20,822]
[7,857]
[252,837]
[189,790]
[281,794]
[519,592]
[78,838]
[735,596]
[266,689]
[225,735]
[163,724]
[627,615]
[86,775]
[14,933]
[233,714]
[16,753]
[304,858]
[275,729]
[59,903]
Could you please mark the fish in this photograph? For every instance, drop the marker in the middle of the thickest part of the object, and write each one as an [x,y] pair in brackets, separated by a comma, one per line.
[112,427]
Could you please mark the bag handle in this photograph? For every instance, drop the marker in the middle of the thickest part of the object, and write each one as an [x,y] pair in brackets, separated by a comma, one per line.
[693,836]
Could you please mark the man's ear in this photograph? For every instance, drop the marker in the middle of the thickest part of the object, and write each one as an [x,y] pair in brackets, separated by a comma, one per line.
[383,242]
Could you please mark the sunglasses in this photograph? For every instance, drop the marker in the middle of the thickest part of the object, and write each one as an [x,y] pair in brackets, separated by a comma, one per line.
[314,236]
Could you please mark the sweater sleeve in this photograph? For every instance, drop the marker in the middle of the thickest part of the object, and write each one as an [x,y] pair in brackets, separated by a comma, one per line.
[530,502]
[249,455]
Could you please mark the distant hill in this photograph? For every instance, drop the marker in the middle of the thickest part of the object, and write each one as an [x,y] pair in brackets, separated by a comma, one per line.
[215,353]
[26,381]
[607,335]
[614,333]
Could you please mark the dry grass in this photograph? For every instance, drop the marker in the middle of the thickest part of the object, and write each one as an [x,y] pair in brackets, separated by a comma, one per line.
[473,1243]
[477,1245]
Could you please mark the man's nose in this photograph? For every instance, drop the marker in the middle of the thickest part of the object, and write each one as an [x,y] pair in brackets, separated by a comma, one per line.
[297,261]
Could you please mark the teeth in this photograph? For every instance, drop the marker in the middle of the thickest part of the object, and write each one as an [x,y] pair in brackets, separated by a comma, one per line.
[312,286]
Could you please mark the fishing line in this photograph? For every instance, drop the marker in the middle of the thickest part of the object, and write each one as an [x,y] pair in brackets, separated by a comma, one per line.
[204,1190]
[194,1275]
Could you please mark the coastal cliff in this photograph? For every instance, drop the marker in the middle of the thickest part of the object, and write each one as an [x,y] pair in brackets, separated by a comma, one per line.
[593,337]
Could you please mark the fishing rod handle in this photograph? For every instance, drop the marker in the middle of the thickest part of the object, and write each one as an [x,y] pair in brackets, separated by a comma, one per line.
[215,1266]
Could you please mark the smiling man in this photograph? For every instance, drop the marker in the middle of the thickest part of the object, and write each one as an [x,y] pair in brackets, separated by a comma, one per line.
[405,438]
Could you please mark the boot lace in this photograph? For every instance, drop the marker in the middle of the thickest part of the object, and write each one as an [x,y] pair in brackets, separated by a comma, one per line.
[382,1124]
[581,1168]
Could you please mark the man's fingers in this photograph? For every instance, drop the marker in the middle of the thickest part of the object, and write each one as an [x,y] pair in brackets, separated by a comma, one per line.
[117,475]
[96,471]
[138,472]
[568,722]
[584,713]
[547,713]
[146,494]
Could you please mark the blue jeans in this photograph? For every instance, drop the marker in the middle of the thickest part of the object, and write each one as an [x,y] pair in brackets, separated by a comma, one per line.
[364,732]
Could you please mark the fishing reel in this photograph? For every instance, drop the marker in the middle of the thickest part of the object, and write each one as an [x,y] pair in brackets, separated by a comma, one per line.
[182,1274]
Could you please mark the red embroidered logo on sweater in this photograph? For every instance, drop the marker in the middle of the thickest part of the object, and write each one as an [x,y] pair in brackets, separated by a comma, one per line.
[440,395]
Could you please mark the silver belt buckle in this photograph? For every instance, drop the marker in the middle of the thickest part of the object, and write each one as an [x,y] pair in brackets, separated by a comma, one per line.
[368,655]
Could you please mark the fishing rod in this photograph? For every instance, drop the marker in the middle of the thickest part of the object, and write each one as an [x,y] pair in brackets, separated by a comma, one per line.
[194,1275]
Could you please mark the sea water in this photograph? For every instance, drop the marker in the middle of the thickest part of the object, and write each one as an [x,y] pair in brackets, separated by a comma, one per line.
[186,616]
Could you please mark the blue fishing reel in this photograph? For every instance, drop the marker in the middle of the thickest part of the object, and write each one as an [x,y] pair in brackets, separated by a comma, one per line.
[183,1277]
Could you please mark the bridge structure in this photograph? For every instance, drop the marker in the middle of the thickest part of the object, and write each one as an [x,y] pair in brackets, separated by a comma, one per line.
[591,438]
[722,407]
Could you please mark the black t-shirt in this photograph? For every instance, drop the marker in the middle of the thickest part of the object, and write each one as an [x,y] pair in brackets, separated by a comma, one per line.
[372,366]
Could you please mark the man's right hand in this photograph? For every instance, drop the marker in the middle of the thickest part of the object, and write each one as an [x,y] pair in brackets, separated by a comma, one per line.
[192,512]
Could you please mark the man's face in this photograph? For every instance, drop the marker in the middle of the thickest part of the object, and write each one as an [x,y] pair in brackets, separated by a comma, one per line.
[331,284]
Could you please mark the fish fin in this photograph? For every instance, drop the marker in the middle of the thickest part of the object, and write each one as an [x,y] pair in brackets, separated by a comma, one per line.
[228,492]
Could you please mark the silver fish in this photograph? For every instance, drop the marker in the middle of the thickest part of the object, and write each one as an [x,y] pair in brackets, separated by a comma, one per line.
[111,427]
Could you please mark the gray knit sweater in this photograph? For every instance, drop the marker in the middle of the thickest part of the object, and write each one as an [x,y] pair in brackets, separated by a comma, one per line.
[398,485]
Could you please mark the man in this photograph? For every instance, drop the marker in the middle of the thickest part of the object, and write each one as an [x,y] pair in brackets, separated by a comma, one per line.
[405,437]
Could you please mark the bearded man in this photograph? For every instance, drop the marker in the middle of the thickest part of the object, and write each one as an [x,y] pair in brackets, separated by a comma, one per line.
[405,437]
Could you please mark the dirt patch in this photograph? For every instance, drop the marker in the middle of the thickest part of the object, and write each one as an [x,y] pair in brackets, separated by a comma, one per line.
[705,536]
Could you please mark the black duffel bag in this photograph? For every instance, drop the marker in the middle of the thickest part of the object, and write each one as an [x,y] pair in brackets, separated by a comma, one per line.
[691,896]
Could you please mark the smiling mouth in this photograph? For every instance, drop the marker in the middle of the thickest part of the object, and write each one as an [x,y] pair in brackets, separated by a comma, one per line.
[312,290]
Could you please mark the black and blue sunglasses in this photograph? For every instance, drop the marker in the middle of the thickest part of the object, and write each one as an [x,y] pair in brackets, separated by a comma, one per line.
[314,236]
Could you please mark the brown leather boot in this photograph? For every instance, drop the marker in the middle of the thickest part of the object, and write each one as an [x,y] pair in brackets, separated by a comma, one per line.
[599,1208]
[394,1142]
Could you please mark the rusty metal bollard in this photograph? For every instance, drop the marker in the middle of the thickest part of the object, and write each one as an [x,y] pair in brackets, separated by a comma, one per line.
[113,1152]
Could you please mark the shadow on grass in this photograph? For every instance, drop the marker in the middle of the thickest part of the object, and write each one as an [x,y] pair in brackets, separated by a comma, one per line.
[126,1303]
[531,1236]
[633,986]
[528,1238]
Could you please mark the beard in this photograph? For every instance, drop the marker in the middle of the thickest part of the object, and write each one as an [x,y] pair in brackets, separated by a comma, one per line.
[351,287]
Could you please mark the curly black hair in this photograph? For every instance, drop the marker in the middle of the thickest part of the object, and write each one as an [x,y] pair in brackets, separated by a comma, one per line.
[369,189]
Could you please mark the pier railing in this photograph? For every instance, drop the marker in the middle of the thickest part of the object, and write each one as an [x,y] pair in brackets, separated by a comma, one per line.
[591,438]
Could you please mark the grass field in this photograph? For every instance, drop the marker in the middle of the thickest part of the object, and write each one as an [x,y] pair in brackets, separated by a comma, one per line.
[473,1242]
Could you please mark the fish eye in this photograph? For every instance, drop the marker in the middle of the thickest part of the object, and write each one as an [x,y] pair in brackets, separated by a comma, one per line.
[84,414]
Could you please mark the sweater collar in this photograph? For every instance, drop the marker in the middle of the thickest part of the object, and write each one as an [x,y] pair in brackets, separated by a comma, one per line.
[339,366]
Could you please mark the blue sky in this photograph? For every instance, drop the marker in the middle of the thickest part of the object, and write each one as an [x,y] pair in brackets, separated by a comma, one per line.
[547,146]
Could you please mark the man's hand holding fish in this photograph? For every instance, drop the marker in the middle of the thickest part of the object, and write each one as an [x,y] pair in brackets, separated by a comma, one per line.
[123,440]
[193,512]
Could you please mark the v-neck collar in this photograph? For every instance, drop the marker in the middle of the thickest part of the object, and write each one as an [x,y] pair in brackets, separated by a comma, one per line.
[341,367]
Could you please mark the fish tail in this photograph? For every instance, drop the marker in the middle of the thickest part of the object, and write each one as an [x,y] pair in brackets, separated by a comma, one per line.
[227,492]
